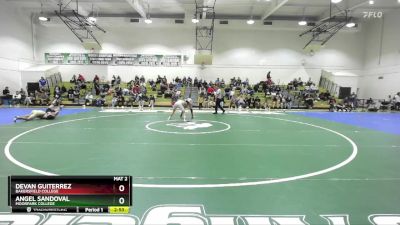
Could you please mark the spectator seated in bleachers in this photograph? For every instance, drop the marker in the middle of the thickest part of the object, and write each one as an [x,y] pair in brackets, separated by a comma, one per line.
[372,106]
[164,88]
[73,79]
[113,80]
[142,80]
[120,100]
[136,89]
[71,94]
[240,103]
[246,82]
[332,104]
[311,89]
[308,101]
[42,97]
[289,102]
[310,82]
[386,104]
[77,94]
[57,91]
[257,103]
[81,78]
[210,91]
[96,79]
[118,81]
[16,99]
[28,99]
[89,99]
[324,96]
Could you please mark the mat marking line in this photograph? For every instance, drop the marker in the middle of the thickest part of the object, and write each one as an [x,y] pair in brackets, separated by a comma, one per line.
[190,186]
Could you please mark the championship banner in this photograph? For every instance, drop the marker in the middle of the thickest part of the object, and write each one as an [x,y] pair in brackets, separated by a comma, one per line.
[113,59]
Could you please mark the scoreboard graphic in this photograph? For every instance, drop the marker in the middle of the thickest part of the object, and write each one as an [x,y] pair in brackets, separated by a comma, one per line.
[70,194]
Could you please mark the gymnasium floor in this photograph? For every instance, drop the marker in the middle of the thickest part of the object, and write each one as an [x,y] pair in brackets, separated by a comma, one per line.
[298,163]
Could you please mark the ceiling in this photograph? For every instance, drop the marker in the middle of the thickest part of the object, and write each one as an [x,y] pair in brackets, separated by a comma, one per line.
[314,10]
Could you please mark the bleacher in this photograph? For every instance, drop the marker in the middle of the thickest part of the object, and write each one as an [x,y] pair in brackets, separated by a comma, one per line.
[300,97]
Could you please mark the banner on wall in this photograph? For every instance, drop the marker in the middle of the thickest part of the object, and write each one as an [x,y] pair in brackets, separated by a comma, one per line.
[112,59]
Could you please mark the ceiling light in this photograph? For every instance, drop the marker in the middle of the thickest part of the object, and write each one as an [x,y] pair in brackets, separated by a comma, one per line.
[92,19]
[350,24]
[336,1]
[302,23]
[195,19]
[250,22]
[371,2]
[148,21]
[42,18]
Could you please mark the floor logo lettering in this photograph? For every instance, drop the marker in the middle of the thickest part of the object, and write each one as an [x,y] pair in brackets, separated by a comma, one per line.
[188,128]
[190,125]
[183,215]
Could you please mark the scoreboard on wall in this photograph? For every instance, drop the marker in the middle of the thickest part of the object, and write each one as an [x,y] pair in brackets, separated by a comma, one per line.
[70,194]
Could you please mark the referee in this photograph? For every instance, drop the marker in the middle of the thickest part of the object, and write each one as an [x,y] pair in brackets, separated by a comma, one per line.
[218,99]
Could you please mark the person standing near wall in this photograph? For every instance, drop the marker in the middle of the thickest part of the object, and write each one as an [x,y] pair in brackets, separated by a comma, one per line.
[397,101]
[7,97]
[42,83]
[218,99]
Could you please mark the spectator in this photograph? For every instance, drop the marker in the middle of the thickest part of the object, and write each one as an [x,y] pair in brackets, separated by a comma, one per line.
[71,94]
[114,101]
[16,99]
[210,91]
[28,99]
[81,78]
[309,82]
[396,100]
[7,97]
[77,94]
[73,79]
[42,83]
[89,99]
[309,101]
[152,102]
[274,102]
[257,103]
[300,82]
[233,102]
[200,100]
[136,89]
[96,79]
[118,80]
[113,81]
[23,93]
[332,104]
[353,100]
[57,91]
[288,102]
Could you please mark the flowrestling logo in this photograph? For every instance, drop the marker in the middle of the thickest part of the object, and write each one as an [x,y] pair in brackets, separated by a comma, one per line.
[183,215]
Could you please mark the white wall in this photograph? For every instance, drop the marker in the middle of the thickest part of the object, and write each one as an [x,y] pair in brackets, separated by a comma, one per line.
[245,52]
[382,58]
[237,52]
[15,46]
